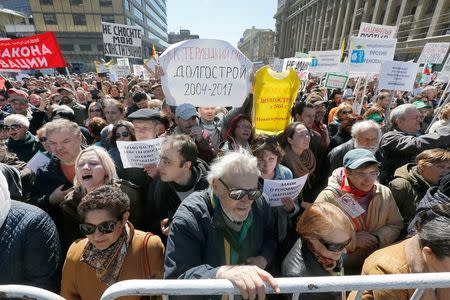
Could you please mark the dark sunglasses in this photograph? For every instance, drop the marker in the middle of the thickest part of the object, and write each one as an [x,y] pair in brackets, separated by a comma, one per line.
[105,227]
[346,112]
[238,194]
[13,127]
[335,247]
[123,134]
[95,110]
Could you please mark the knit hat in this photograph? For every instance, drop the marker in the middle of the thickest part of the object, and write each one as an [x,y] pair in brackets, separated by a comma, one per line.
[444,185]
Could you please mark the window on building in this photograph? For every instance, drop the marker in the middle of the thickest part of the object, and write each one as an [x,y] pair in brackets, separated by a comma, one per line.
[67,47]
[137,12]
[126,4]
[108,18]
[76,2]
[85,48]
[46,2]
[106,3]
[79,19]
[129,22]
[50,19]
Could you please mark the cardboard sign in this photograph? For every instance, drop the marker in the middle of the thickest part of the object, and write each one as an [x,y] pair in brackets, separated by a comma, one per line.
[36,52]
[336,81]
[367,55]
[324,61]
[118,72]
[122,40]
[37,161]
[138,154]
[205,73]
[276,190]
[433,53]
[376,31]
[297,64]
[397,75]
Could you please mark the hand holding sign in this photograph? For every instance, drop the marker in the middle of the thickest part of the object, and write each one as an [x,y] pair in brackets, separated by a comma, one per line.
[140,154]
[277,190]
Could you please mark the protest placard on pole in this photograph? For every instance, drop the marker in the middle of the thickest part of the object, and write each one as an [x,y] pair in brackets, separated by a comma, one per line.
[397,75]
[35,52]
[277,64]
[205,72]
[335,81]
[138,154]
[376,31]
[276,190]
[324,61]
[366,55]
[433,53]
[122,40]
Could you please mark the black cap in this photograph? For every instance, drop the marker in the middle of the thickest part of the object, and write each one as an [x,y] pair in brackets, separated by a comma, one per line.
[145,114]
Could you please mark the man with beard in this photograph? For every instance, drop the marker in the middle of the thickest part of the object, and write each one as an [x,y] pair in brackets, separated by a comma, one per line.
[320,110]
[68,98]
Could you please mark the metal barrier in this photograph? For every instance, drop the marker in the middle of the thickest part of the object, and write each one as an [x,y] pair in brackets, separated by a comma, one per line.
[26,292]
[294,286]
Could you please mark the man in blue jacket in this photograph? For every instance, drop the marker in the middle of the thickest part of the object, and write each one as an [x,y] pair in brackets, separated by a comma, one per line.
[225,232]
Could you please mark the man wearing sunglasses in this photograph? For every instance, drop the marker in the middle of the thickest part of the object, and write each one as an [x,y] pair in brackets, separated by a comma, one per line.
[226,231]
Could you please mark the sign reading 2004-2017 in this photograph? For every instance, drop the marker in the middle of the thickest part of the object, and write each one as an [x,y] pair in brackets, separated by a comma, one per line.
[205,73]
[122,40]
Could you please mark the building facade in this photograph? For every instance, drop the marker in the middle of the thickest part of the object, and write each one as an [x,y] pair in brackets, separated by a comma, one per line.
[257,44]
[22,6]
[305,25]
[78,24]
[183,35]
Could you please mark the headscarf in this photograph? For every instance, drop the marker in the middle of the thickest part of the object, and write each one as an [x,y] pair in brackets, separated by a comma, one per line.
[5,200]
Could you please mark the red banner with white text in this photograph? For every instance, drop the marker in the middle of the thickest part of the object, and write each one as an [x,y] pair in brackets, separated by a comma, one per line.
[39,51]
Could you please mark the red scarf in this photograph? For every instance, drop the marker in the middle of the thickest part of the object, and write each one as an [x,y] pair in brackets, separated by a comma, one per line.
[347,187]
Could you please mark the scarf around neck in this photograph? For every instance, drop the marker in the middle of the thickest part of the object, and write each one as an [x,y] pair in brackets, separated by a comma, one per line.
[347,187]
[108,263]
[300,165]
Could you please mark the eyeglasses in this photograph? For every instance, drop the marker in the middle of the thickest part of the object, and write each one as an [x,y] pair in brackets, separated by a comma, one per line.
[335,247]
[370,174]
[346,112]
[238,194]
[12,127]
[123,134]
[245,127]
[105,227]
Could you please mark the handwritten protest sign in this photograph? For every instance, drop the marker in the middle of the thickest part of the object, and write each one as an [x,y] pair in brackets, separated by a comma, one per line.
[39,51]
[37,161]
[325,61]
[205,72]
[122,40]
[138,154]
[279,189]
[398,75]
[366,55]
[116,72]
[433,53]
[274,94]
[336,81]
[376,31]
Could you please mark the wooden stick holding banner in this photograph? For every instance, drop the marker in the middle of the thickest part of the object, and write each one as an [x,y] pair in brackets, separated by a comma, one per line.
[363,94]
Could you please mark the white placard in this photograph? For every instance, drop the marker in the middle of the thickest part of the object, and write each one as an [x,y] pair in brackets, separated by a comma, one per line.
[119,72]
[397,75]
[433,53]
[140,153]
[205,73]
[367,55]
[336,81]
[376,31]
[138,70]
[278,64]
[279,189]
[446,68]
[325,61]
[298,64]
[122,40]
[123,62]
[37,161]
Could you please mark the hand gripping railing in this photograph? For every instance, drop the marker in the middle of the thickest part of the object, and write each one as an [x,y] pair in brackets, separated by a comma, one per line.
[26,292]
[295,286]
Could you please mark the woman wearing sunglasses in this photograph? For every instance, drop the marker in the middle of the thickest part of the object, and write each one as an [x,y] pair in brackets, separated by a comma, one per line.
[325,232]
[112,250]
[122,131]
[95,168]
[342,113]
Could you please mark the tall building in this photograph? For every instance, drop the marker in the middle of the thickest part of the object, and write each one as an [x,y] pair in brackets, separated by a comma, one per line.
[183,35]
[22,6]
[78,24]
[305,25]
[257,44]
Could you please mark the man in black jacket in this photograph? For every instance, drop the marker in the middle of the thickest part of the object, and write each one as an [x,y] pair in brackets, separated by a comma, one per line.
[181,173]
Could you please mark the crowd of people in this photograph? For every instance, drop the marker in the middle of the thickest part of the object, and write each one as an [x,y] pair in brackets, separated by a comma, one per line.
[376,199]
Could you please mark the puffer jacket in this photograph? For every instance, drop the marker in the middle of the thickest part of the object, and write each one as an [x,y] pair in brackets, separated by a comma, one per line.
[408,187]
[30,251]
[26,147]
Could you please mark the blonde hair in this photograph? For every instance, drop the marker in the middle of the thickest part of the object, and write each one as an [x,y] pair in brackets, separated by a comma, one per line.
[341,107]
[105,160]
[444,114]
[17,119]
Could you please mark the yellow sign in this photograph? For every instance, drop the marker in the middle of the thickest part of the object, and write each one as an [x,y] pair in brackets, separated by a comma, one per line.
[274,94]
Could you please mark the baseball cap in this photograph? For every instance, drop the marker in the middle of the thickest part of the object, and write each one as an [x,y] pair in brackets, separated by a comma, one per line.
[357,157]
[421,104]
[185,111]
[64,89]
[145,114]
[16,94]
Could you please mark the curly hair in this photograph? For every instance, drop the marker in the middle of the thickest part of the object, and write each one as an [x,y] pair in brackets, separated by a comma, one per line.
[106,197]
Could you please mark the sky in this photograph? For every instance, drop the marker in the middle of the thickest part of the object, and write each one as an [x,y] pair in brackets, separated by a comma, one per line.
[220,19]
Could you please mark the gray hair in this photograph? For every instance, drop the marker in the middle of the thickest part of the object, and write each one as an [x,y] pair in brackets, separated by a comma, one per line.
[366,124]
[400,112]
[17,119]
[234,162]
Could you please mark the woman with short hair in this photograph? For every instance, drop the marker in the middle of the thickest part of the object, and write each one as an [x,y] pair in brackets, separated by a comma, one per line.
[239,135]
[342,113]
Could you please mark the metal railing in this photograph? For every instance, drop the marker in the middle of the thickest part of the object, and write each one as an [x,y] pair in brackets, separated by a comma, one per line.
[26,292]
[295,286]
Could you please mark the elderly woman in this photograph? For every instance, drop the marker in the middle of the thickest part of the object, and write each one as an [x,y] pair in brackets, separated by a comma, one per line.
[21,142]
[240,134]
[112,250]
[325,232]
[342,113]
[411,181]
[95,168]
[369,205]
